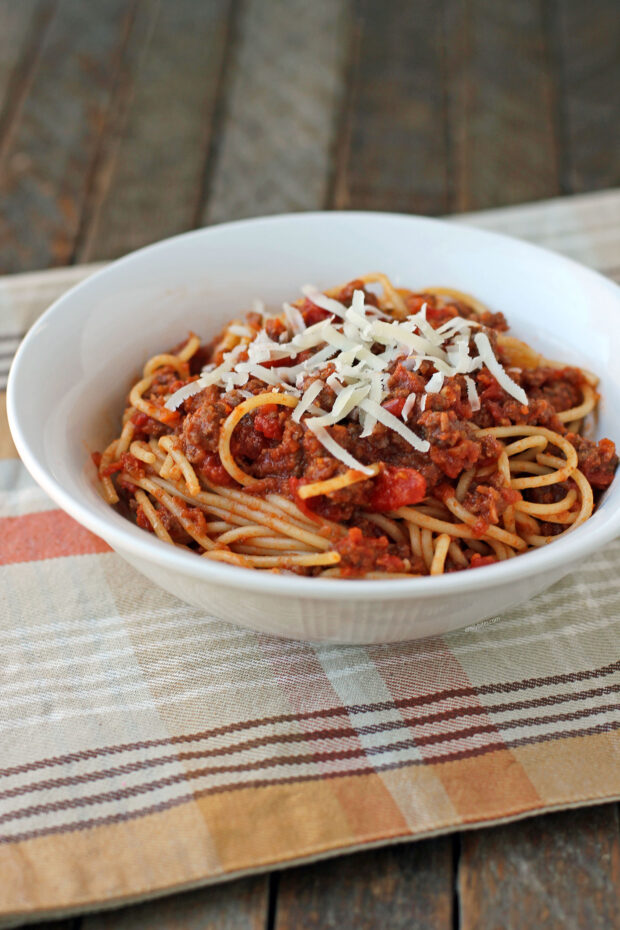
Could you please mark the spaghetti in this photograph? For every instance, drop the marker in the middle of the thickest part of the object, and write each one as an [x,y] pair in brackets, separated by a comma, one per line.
[367,431]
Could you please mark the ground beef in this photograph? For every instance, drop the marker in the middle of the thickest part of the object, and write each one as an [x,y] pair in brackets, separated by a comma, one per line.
[362,554]
[346,293]
[284,458]
[440,310]
[200,432]
[597,460]
[498,408]
[451,448]
[490,501]
[562,388]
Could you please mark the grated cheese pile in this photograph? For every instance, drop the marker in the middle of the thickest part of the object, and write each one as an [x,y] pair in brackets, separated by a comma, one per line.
[346,340]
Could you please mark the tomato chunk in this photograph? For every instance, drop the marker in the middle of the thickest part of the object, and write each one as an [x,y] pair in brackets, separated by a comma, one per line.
[394,405]
[267,422]
[278,362]
[214,471]
[479,561]
[397,487]
[313,314]
[110,469]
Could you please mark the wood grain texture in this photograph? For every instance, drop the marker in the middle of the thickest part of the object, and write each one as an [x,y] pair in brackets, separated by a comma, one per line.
[394,154]
[403,888]
[560,872]
[587,43]
[502,106]
[22,29]
[584,227]
[71,923]
[150,173]
[239,905]
[45,170]
[285,83]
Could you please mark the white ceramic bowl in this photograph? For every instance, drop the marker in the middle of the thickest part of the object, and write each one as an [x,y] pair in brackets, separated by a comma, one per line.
[72,372]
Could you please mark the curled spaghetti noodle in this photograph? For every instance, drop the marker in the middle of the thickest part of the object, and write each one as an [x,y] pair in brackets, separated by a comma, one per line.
[335,484]
[228,428]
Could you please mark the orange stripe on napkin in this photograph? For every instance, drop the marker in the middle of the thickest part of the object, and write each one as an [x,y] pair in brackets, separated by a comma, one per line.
[50,534]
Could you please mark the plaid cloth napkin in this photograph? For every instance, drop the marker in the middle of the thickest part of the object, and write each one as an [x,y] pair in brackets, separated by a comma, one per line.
[146,747]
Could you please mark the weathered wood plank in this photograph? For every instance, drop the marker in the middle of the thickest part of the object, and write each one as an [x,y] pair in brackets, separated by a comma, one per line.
[285,82]
[72,923]
[559,871]
[393,153]
[587,42]
[584,227]
[150,174]
[240,905]
[408,887]
[502,107]
[22,28]
[45,170]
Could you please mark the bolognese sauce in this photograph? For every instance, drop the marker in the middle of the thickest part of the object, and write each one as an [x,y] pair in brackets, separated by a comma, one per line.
[366,431]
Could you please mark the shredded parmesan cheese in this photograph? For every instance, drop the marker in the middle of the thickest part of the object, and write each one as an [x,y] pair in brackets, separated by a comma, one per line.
[336,450]
[323,301]
[408,405]
[472,394]
[237,329]
[435,383]
[504,381]
[389,420]
[294,318]
[375,397]
[349,340]
[346,400]
[205,380]
[307,400]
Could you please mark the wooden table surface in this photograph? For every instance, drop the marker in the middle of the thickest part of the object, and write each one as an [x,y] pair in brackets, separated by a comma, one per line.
[124,121]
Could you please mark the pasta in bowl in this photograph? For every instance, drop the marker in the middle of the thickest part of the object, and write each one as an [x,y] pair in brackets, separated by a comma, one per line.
[75,371]
[366,431]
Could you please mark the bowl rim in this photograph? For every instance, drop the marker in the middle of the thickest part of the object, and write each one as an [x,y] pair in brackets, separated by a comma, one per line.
[118,535]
